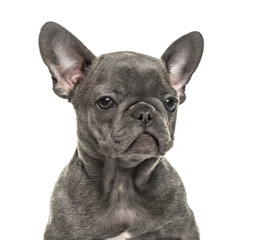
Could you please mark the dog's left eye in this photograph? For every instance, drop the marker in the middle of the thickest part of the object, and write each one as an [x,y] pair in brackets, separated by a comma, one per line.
[171,104]
[105,103]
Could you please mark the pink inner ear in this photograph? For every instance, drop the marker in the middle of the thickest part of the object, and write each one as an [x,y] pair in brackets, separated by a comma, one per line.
[76,78]
[176,84]
[67,79]
[177,78]
[70,65]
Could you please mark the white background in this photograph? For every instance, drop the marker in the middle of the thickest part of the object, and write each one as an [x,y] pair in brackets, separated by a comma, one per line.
[214,147]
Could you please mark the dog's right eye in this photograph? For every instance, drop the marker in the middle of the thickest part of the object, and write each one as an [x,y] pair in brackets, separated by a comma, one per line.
[106,103]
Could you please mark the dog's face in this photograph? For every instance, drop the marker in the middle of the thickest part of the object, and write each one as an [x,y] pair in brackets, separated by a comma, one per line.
[129,107]
[125,102]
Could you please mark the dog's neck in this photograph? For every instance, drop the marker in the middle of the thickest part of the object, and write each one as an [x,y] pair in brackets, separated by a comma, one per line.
[112,175]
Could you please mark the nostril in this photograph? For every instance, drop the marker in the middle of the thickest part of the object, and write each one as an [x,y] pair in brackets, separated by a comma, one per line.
[149,116]
[141,117]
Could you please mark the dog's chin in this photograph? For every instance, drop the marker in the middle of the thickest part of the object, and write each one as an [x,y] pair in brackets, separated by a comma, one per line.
[143,147]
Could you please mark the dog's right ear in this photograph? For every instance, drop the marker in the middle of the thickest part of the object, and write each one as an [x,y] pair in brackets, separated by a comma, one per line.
[65,56]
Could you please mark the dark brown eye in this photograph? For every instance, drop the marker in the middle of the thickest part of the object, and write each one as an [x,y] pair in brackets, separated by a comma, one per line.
[171,104]
[105,103]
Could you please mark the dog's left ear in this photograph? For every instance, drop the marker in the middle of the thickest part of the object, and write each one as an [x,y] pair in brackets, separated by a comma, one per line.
[182,59]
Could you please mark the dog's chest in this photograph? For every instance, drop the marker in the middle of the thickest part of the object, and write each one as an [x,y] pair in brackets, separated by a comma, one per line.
[121,210]
[121,190]
[122,201]
[122,236]
[124,208]
[117,218]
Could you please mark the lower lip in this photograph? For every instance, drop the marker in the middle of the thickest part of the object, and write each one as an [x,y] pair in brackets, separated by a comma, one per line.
[144,138]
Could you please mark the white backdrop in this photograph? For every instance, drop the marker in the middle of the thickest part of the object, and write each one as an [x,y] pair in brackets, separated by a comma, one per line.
[214,147]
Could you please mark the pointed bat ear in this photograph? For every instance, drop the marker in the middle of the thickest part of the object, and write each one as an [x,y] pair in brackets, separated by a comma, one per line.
[65,56]
[182,59]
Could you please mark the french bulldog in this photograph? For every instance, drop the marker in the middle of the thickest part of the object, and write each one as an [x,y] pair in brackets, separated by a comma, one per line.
[118,184]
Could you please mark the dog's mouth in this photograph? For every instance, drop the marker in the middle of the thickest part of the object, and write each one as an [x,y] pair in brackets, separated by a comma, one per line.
[143,147]
[144,144]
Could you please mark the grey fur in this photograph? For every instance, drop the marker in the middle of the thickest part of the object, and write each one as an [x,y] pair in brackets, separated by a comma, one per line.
[118,179]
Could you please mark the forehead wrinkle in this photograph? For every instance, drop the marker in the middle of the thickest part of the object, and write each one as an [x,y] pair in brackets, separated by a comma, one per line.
[113,88]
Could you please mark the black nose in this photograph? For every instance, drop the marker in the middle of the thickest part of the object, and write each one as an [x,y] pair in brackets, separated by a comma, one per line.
[143,114]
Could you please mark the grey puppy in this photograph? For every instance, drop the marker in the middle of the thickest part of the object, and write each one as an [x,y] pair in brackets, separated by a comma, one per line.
[118,184]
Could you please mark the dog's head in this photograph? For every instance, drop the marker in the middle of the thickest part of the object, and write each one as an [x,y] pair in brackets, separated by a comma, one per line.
[126,103]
